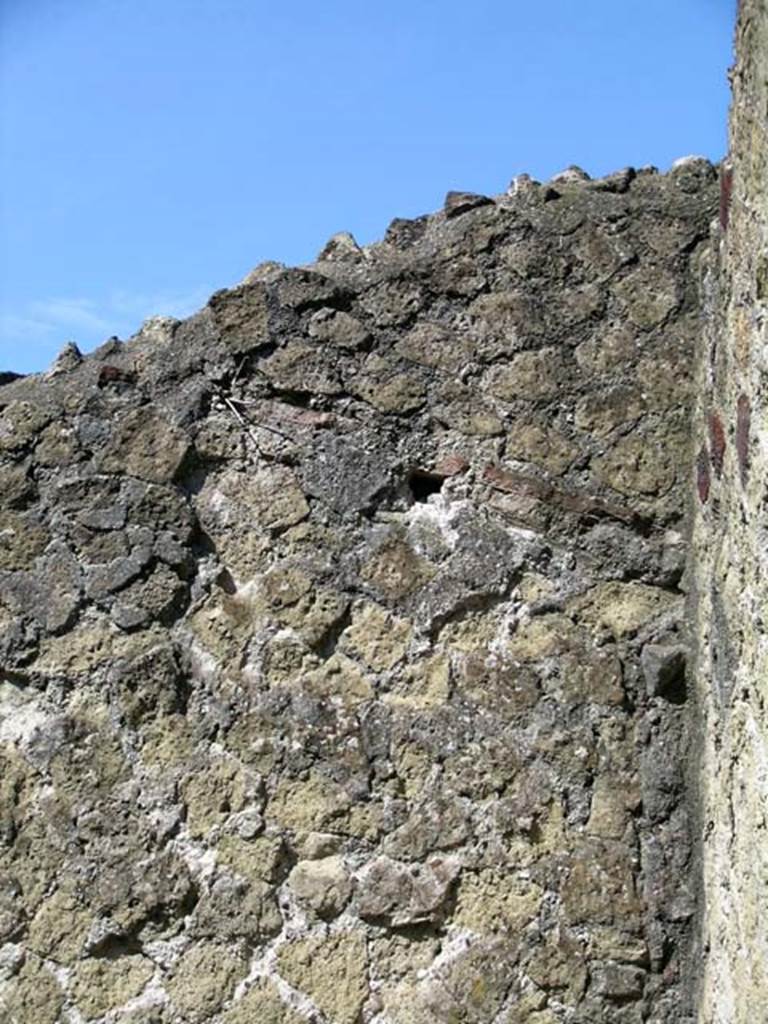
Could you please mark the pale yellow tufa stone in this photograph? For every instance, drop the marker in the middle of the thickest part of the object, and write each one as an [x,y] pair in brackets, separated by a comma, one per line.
[396,570]
[536,374]
[376,638]
[542,637]
[622,608]
[212,794]
[490,902]
[34,996]
[414,768]
[636,466]
[545,446]
[307,805]
[101,985]
[608,816]
[91,644]
[339,676]
[261,1004]
[332,971]
[424,684]
[59,929]
[533,587]
[256,860]
[203,979]
[322,885]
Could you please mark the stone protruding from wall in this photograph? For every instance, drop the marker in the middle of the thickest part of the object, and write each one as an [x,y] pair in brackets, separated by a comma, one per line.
[730,559]
[342,670]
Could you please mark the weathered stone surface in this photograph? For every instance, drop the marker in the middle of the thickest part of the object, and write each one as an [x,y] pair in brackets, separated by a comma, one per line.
[33,994]
[635,466]
[330,632]
[240,315]
[623,608]
[457,203]
[405,894]
[341,246]
[300,367]
[664,670]
[203,978]
[322,884]
[390,392]
[332,971]
[145,445]
[728,669]
[338,328]
[19,425]
[377,639]
[649,296]
[261,1004]
[491,902]
[471,986]
[346,474]
[233,909]
[538,374]
[211,794]
[106,984]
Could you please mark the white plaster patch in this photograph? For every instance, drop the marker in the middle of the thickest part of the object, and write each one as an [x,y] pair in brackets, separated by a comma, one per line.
[20,716]
[438,512]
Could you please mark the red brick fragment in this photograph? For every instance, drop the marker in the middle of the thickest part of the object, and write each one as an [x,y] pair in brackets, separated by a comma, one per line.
[115,375]
[716,444]
[743,421]
[592,508]
[311,418]
[517,483]
[703,475]
[451,465]
[726,188]
[303,417]
[589,506]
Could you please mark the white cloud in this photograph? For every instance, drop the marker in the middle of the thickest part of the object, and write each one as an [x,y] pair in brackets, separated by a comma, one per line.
[137,307]
[48,323]
[76,314]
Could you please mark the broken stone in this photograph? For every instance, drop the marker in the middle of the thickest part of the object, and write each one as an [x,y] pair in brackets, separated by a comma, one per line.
[664,671]
[331,970]
[67,360]
[146,446]
[618,983]
[491,904]
[376,638]
[529,375]
[338,328]
[341,246]
[457,203]
[101,985]
[33,995]
[261,1003]
[405,894]
[572,175]
[322,884]
[331,706]
[650,296]
[344,474]
[396,570]
[203,979]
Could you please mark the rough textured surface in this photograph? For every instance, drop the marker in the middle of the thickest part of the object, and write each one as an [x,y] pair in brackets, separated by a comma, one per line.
[730,566]
[340,628]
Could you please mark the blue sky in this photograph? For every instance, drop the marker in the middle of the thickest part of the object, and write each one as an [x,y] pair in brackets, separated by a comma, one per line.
[152,151]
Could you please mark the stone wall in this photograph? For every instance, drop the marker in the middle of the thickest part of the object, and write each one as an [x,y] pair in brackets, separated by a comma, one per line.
[730,559]
[340,624]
